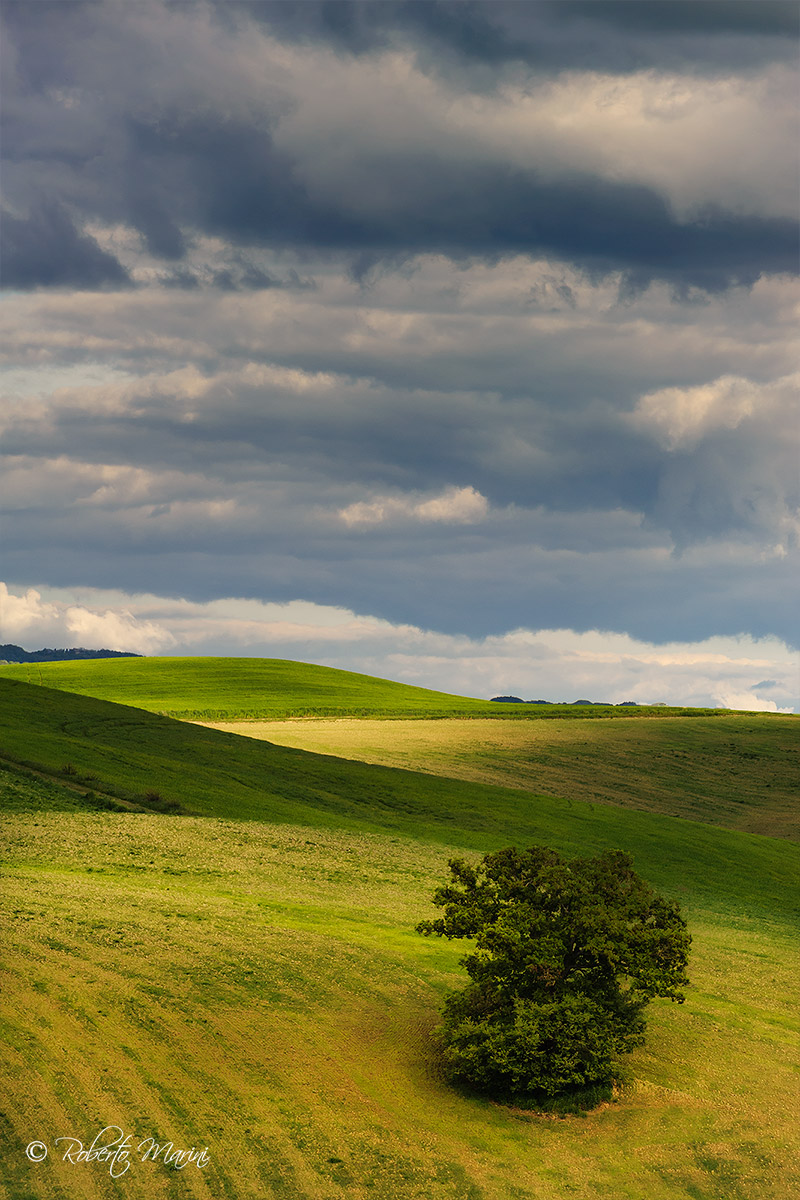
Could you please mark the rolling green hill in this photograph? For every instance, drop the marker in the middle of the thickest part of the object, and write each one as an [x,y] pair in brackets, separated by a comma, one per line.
[126,753]
[736,769]
[231,689]
[244,975]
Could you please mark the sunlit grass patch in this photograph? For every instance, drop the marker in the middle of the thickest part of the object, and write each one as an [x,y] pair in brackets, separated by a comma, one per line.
[740,770]
[260,989]
[261,688]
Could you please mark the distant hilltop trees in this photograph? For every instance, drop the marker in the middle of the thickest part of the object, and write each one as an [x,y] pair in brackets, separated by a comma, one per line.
[15,654]
[601,703]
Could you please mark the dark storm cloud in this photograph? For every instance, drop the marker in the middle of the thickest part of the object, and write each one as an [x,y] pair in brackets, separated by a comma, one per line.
[237,185]
[45,250]
[137,146]
[768,17]
[230,181]
[618,35]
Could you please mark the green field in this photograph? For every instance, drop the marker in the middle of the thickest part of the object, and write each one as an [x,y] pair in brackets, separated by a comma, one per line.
[243,974]
[240,689]
[739,770]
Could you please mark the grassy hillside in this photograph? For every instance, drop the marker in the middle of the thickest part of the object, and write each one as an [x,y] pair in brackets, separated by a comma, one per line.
[153,761]
[230,689]
[739,770]
[255,985]
[258,989]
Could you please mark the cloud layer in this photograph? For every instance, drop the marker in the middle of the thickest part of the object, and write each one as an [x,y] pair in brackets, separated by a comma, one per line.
[551,664]
[459,450]
[177,120]
[474,317]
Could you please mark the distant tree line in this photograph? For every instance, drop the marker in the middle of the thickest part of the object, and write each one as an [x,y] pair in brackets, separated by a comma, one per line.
[600,703]
[15,654]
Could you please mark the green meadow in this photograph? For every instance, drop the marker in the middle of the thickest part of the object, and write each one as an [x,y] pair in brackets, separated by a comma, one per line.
[739,770]
[211,943]
[240,689]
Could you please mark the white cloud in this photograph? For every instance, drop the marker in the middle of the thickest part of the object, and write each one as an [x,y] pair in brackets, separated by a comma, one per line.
[38,623]
[111,630]
[757,674]
[748,702]
[682,416]
[454,506]
[732,448]
[21,614]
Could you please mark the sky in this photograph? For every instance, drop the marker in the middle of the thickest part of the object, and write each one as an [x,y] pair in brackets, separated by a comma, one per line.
[455,343]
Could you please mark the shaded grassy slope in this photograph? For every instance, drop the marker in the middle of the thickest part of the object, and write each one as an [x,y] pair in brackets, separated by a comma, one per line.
[252,688]
[739,770]
[129,753]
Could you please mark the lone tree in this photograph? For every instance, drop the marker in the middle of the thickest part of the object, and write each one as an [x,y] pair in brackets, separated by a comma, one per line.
[567,956]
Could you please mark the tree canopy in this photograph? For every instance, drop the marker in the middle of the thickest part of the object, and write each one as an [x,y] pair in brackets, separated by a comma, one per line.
[567,955]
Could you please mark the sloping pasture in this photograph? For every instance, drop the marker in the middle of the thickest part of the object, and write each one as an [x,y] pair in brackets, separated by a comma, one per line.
[231,689]
[738,770]
[247,979]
